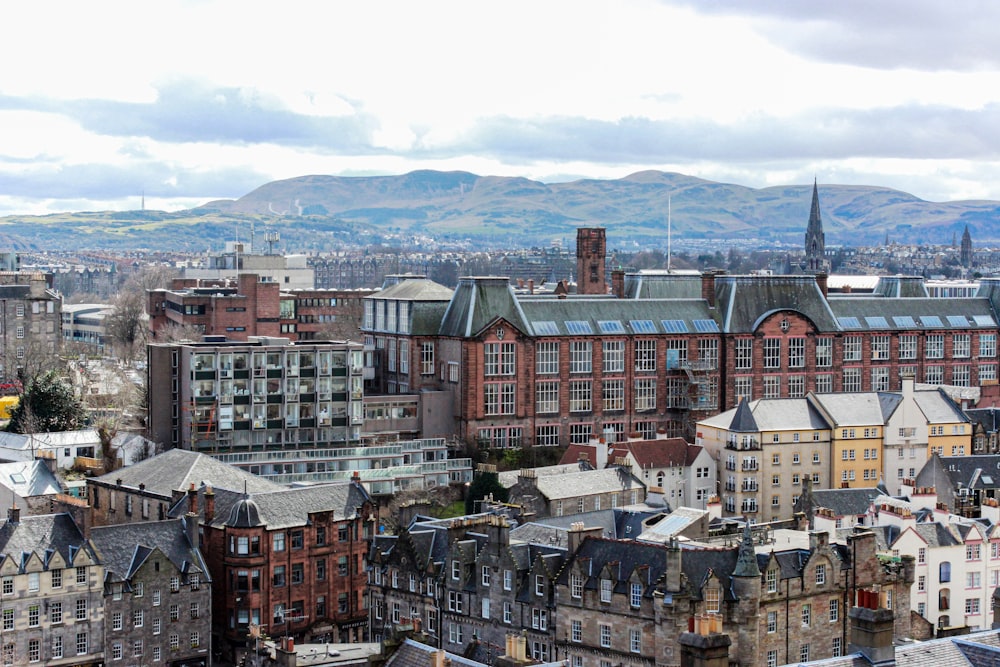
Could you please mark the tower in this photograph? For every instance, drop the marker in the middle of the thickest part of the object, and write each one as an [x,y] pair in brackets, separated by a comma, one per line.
[815,239]
[966,252]
[746,581]
[591,250]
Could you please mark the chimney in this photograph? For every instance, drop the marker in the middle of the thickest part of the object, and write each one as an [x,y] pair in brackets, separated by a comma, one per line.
[192,495]
[578,533]
[907,385]
[191,528]
[618,283]
[14,514]
[871,630]
[673,570]
[531,285]
[209,504]
[439,658]
[708,287]
[822,280]
[704,649]
[284,652]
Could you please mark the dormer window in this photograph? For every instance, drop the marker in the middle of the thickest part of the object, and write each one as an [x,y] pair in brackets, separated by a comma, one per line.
[605,590]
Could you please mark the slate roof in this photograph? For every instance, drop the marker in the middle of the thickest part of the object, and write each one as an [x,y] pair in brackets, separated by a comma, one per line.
[742,302]
[864,408]
[615,523]
[979,649]
[916,308]
[846,502]
[697,563]
[414,654]
[53,533]
[177,469]
[284,508]
[663,528]
[125,547]
[662,285]
[660,453]
[938,408]
[29,478]
[414,289]
[979,471]
[477,303]
[988,418]
[901,287]
[622,558]
[593,310]
[508,478]
[743,421]
[574,484]
[770,414]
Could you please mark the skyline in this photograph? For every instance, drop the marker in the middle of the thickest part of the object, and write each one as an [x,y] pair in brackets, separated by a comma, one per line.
[198,100]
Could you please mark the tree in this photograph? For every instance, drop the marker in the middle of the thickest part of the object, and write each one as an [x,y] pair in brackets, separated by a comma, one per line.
[126,325]
[485,484]
[47,405]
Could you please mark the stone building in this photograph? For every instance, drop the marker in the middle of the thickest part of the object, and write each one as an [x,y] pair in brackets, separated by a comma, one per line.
[157,593]
[52,594]
[31,318]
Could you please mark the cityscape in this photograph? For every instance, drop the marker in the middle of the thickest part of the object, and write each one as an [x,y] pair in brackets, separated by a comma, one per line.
[447,334]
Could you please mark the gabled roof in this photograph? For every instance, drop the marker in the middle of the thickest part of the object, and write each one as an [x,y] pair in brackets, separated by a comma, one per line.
[862,408]
[979,471]
[178,469]
[414,289]
[620,559]
[660,453]
[662,285]
[846,502]
[123,548]
[38,534]
[744,301]
[508,478]
[477,303]
[587,482]
[770,414]
[938,408]
[988,418]
[29,478]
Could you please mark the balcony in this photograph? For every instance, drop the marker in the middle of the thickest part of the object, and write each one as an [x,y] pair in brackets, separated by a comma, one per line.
[749,507]
[749,465]
[743,443]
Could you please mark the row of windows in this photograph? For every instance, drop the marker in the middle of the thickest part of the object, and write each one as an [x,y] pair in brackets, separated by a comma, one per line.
[33,580]
[8,653]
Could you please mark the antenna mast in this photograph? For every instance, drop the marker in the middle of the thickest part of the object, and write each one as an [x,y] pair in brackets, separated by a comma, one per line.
[669,231]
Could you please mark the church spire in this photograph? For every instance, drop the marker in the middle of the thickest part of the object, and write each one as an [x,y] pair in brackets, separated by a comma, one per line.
[815,239]
[746,559]
[966,251]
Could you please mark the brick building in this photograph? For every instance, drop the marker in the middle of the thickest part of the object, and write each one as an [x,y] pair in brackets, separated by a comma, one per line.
[664,349]
[250,305]
[290,562]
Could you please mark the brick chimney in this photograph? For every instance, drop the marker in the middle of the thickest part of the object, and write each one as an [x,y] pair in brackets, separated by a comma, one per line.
[618,283]
[209,504]
[14,514]
[578,533]
[822,280]
[192,496]
[708,287]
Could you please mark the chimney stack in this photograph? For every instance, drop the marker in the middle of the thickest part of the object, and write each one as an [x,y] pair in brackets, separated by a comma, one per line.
[14,514]
[209,504]
[871,630]
[618,283]
[192,495]
[822,280]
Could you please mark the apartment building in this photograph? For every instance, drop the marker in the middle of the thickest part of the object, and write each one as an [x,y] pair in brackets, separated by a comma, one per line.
[30,320]
[266,394]
[765,450]
[157,593]
[52,593]
[291,561]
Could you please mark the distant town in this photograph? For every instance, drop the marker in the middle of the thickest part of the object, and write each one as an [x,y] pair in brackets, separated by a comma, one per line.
[694,455]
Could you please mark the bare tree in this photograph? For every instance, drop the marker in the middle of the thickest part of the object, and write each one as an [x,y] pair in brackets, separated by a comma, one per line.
[175,333]
[126,325]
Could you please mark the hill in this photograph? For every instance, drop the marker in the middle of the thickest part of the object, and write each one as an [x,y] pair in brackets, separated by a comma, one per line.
[315,213]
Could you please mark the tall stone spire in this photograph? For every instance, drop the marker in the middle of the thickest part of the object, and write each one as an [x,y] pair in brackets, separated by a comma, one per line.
[966,252]
[815,239]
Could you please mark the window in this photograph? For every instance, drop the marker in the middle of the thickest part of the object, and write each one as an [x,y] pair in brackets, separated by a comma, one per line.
[880,378]
[580,396]
[175,641]
[8,585]
[973,580]
[806,615]
[508,579]
[972,551]
[278,576]
[772,621]
[961,346]
[613,395]
[278,542]
[81,609]
[175,584]
[771,579]
[137,618]
[116,651]
[539,585]
[922,555]
[944,572]
[772,658]
[539,619]
[455,601]
[796,352]
[576,630]
[821,574]
[508,614]
[934,374]
[852,348]
[635,595]
[156,625]
[193,610]
[547,397]
[484,607]
[960,375]
[613,359]
[580,357]
[605,635]
[33,616]
[547,358]
[743,347]
[834,610]
[136,648]
[804,653]
[880,348]
[708,352]
[645,394]
[575,585]
[635,640]
[605,590]
[55,612]
[81,643]
[772,353]
[499,359]
[427,358]
[972,606]
[174,612]
[852,379]
[645,355]
[934,346]
[987,345]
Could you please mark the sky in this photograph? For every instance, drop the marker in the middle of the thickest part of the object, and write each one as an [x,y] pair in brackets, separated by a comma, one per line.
[189,101]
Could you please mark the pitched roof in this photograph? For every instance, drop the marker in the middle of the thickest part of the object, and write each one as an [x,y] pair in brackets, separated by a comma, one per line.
[660,453]
[845,502]
[178,469]
[938,408]
[56,533]
[124,547]
[744,301]
[29,478]
[508,478]
[586,482]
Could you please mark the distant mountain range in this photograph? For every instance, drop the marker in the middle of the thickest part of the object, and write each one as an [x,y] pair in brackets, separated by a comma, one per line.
[424,208]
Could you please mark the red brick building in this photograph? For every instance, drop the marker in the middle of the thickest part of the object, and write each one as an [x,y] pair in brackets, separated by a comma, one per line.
[291,562]
[250,306]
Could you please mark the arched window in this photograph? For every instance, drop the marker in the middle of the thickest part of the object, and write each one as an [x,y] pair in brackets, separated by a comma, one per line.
[659,479]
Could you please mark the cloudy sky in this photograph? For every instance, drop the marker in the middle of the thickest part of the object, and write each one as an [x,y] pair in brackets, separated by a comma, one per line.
[203,99]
